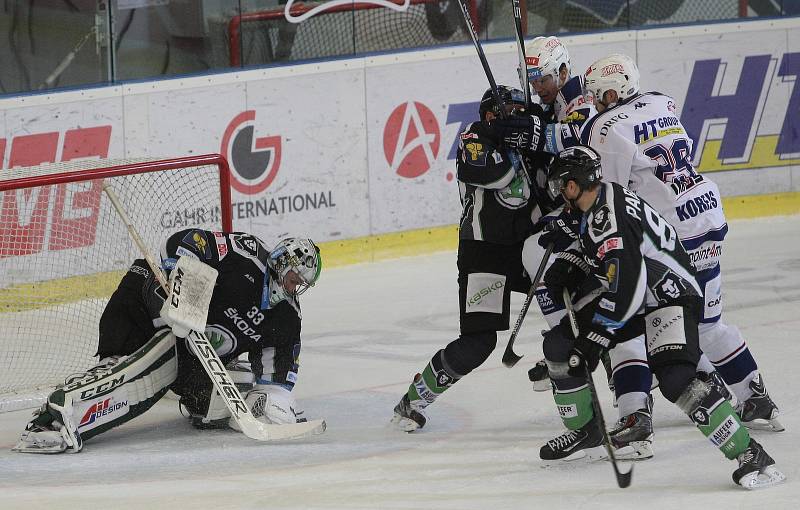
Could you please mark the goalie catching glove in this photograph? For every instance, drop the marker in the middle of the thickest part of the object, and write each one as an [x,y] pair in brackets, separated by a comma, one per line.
[272,403]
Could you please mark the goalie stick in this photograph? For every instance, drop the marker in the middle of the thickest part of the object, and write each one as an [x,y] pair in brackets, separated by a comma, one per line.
[623,479]
[510,358]
[208,357]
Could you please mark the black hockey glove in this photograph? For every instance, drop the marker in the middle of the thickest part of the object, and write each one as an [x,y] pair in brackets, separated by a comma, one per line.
[562,231]
[567,271]
[589,345]
[521,132]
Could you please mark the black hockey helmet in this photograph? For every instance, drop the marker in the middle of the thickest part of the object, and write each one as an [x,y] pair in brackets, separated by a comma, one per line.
[508,95]
[580,163]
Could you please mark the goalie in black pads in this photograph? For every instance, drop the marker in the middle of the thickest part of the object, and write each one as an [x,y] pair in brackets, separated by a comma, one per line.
[646,274]
[250,295]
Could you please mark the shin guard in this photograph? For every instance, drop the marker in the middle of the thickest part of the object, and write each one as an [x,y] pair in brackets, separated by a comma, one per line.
[715,418]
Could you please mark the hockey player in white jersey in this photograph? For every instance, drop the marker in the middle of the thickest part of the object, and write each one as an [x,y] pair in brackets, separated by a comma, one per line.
[644,147]
[549,73]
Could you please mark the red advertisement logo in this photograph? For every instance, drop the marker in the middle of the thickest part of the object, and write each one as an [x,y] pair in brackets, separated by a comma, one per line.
[24,225]
[411,139]
[254,161]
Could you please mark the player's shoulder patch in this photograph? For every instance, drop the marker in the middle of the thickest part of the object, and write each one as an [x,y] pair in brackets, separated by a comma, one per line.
[475,152]
[250,247]
[197,239]
[601,223]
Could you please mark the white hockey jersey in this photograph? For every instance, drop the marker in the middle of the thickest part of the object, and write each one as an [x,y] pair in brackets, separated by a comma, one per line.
[570,111]
[644,147]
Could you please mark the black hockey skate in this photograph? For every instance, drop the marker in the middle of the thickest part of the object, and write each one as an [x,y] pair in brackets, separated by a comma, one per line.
[408,417]
[584,443]
[632,438]
[714,379]
[759,411]
[756,468]
[539,375]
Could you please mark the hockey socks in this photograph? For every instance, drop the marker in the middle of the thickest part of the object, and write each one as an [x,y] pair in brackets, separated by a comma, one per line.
[583,438]
[715,418]
[422,392]
[432,382]
[574,406]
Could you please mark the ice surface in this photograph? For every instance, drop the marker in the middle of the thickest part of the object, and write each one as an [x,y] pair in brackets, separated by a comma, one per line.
[367,330]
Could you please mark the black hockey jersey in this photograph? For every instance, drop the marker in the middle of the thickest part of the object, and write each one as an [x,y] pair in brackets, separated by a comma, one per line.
[636,254]
[496,197]
[240,318]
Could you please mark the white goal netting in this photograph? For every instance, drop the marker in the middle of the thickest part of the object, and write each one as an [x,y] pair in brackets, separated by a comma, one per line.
[63,250]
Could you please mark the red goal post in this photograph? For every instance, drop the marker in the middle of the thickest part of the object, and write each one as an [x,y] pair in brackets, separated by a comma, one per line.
[64,249]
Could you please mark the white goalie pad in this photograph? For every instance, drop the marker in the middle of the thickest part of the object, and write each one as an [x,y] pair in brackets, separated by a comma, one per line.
[103,397]
[191,285]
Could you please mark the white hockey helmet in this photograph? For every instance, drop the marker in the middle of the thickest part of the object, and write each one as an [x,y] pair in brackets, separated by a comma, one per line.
[545,56]
[615,72]
[299,255]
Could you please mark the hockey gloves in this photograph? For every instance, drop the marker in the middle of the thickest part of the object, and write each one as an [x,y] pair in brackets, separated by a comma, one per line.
[520,132]
[562,231]
[567,271]
[592,340]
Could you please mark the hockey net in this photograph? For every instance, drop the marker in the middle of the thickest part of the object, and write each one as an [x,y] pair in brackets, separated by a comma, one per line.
[64,249]
[264,36]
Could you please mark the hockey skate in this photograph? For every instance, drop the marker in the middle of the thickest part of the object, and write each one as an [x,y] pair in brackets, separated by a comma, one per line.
[44,434]
[759,411]
[407,416]
[539,375]
[756,468]
[632,438]
[585,443]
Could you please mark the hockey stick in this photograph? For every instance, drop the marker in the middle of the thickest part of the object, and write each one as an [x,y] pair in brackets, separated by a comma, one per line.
[482,56]
[623,479]
[510,358]
[208,357]
[523,67]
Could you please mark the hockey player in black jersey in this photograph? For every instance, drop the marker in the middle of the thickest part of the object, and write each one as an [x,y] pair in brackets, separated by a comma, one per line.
[646,274]
[499,212]
[253,311]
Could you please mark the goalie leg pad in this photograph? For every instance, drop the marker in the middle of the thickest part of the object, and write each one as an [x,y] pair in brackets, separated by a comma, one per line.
[103,399]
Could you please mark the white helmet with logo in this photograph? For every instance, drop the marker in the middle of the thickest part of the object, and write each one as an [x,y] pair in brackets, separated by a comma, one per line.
[299,255]
[545,56]
[615,72]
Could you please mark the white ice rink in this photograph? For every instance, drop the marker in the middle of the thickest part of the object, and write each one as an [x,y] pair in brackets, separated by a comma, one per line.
[367,329]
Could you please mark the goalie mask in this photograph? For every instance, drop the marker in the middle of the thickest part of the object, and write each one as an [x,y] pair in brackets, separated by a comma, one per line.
[296,264]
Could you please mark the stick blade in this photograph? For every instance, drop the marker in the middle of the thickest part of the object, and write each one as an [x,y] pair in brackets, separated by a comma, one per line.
[624,479]
[510,358]
[261,431]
